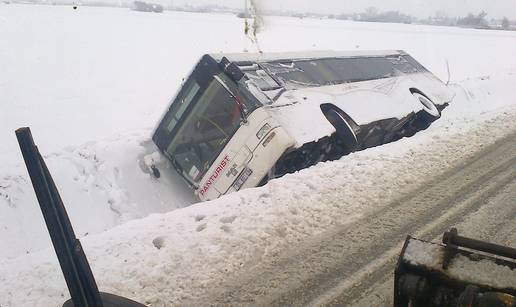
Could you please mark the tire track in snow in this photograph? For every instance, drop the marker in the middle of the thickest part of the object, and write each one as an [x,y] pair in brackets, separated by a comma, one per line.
[351,259]
[489,223]
[434,230]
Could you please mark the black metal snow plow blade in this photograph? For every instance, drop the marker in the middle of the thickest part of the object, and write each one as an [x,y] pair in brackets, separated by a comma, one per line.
[76,269]
[431,275]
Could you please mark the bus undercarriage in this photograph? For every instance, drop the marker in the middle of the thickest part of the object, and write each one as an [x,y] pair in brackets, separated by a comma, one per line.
[337,145]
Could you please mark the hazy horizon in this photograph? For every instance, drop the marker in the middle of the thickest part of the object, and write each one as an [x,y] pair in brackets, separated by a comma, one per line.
[417,8]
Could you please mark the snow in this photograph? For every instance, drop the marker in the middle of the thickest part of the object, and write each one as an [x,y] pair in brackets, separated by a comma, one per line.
[478,271]
[499,276]
[205,242]
[99,188]
[92,82]
[422,253]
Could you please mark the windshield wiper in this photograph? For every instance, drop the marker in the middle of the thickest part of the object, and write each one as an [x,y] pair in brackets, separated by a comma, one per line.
[241,106]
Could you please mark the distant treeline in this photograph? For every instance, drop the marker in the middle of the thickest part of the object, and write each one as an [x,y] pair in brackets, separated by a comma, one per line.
[143,6]
[370,14]
[471,20]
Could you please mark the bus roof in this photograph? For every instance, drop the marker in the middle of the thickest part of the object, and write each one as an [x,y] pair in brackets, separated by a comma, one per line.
[300,55]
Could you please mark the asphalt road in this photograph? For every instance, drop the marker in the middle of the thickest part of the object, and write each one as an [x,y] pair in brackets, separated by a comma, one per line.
[353,265]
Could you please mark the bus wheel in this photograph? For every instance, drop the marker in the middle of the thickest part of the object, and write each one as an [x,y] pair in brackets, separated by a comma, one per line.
[428,114]
[343,128]
[264,181]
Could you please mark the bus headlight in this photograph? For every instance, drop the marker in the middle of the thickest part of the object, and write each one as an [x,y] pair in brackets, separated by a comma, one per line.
[263,131]
[239,182]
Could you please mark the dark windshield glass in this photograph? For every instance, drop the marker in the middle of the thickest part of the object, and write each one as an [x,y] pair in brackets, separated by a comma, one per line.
[205,130]
[183,102]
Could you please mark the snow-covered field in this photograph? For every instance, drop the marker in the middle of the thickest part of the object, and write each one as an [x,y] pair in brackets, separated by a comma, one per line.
[92,82]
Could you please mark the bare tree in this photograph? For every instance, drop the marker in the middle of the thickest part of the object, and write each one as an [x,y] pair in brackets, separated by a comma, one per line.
[472,20]
[441,15]
[371,11]
[505,23]
[252,29]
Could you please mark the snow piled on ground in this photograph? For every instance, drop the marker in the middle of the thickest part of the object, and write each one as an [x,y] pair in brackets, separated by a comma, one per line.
[106,75]
[102,183]
[168,259]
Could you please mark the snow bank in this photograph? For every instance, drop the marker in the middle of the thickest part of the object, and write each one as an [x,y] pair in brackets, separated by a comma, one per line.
[168,259]
[103,184]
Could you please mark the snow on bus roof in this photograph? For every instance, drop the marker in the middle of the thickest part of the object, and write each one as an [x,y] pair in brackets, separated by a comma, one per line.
[275,56]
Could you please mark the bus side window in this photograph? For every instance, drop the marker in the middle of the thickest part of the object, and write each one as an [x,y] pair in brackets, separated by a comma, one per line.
[262,80]
[345,69]
[402,65]
[290,74]
[415,63]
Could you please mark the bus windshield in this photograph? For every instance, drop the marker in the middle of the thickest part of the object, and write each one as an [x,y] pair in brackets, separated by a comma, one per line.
[205,130]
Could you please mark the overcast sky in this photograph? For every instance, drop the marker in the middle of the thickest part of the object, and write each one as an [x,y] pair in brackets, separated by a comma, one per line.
[418,8]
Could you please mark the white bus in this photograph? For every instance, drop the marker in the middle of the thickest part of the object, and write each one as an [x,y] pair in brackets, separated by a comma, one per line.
[241,119]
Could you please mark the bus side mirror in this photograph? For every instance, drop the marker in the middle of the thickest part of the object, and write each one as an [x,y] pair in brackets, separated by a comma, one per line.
[231,69]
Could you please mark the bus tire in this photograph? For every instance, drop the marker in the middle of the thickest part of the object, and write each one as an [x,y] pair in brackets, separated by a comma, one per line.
[428,114]
[343,129]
